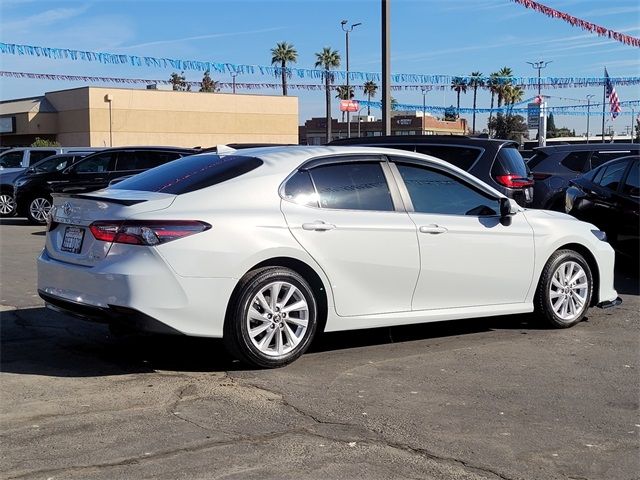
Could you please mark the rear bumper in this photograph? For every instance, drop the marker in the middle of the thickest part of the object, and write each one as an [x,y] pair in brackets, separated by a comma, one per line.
[111,314]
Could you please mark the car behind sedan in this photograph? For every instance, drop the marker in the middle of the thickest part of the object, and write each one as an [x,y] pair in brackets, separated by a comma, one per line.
[609,197]
[268,247]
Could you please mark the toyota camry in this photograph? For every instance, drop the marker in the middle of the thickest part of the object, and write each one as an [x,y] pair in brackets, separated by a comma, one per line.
[269,247]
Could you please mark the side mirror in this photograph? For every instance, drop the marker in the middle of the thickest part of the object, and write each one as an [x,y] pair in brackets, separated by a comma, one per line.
[505,207]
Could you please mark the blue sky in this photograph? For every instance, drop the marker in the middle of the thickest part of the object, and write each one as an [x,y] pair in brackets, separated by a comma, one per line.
[428,36]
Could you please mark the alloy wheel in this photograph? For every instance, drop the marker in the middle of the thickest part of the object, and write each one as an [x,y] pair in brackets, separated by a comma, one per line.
[39,209]
[278,318]
[568,291]
[7,204]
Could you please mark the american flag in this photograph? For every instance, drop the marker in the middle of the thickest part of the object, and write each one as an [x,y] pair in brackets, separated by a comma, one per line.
[610,91]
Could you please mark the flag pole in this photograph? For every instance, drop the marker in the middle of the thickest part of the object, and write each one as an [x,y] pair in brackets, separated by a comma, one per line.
[604,95]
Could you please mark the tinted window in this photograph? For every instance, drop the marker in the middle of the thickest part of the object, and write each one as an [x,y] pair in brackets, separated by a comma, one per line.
[37,155]
[53,164]
[509,162]
[352,186]
[632,183]
[534,161]
[143,160]
[576,161]
[299,189]
[599,158]
[11,159]
[461,157]
[95,164]
[190,173]
[611,175]
[432,191]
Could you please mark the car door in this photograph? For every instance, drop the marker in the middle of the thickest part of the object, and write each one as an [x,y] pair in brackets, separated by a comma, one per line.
[87,175]
[468,256]
[347,215]
[603,197]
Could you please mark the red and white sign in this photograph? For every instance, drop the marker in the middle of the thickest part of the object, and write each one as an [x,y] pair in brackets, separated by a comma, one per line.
[349,106]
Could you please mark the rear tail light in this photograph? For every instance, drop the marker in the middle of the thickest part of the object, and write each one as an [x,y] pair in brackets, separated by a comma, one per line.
[541,176]
[513,181]
[146,232]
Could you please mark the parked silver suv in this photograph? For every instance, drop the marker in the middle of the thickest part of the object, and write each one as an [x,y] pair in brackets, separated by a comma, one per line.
[553,168]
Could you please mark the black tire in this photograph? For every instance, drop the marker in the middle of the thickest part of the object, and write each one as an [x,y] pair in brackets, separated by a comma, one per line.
[236,328]
[37,219]
[7,205]
[543,301]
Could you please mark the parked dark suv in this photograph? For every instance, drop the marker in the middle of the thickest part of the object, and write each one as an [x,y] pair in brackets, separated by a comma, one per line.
[496,162]
[553,168]
[32,191]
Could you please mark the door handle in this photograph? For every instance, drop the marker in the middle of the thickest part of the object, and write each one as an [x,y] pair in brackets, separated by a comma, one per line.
[318,225]
[433,228]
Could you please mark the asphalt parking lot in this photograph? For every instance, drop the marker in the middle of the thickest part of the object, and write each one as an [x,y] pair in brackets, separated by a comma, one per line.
[500,397]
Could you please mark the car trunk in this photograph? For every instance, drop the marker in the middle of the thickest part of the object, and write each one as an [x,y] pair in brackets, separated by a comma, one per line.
[70,239]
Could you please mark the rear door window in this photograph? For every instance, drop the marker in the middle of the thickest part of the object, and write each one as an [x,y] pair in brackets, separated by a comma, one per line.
[461,157]
[576,161]
[190,174]
[537,158]
[299,189]
[352,186]
[509,162]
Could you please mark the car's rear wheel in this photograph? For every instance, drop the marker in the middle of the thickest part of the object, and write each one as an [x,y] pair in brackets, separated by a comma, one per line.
[565,289]
[7,205]
[39,208]
[273,318]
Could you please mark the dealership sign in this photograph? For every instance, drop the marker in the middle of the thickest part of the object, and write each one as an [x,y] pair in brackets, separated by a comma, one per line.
[349,106]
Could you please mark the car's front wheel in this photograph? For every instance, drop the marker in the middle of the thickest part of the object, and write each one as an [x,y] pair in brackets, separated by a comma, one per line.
[273,318]
[39,208]
[565,289]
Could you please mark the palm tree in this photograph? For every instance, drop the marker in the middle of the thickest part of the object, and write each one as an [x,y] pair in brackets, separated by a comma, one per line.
[505,79]
[328,59]
[513,95]
[460,86]
[370,89]
[344,94]
[476,81]
[282,54]
[493,84]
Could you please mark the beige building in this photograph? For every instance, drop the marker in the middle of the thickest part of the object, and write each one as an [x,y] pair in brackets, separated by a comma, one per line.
[99,117]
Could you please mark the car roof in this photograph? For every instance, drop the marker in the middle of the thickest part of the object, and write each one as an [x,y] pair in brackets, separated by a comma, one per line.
[582,147]
[422,139]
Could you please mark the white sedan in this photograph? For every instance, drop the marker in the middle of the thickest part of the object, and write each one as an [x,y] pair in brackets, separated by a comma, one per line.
[266,247]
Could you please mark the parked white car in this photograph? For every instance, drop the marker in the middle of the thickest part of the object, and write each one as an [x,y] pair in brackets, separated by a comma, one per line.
[267,247]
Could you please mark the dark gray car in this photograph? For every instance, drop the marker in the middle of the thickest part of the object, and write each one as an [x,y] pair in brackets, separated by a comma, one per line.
[553,168]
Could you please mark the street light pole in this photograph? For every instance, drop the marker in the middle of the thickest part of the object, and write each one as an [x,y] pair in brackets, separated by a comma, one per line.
[542,123]
[347,31]
[233,80]
[386,67]
[360,119]
[424,108]
[589,97]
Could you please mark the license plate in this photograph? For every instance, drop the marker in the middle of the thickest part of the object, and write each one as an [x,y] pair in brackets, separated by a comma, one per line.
[72,240]
[528,194]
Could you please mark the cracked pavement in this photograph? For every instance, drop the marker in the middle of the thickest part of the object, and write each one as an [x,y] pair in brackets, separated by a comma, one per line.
[490,398]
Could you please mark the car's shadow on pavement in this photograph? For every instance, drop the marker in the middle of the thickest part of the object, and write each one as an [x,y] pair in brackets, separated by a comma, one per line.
[39,341]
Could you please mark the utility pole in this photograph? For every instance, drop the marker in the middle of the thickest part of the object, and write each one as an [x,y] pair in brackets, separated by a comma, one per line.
[633,121]
[424,108]
[233,80]
[542,124]
[589,97]
[347,31]
[386,68]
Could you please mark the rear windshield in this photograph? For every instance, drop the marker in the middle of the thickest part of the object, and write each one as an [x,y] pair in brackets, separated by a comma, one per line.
[190,173]
[510,162]
[536,159]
